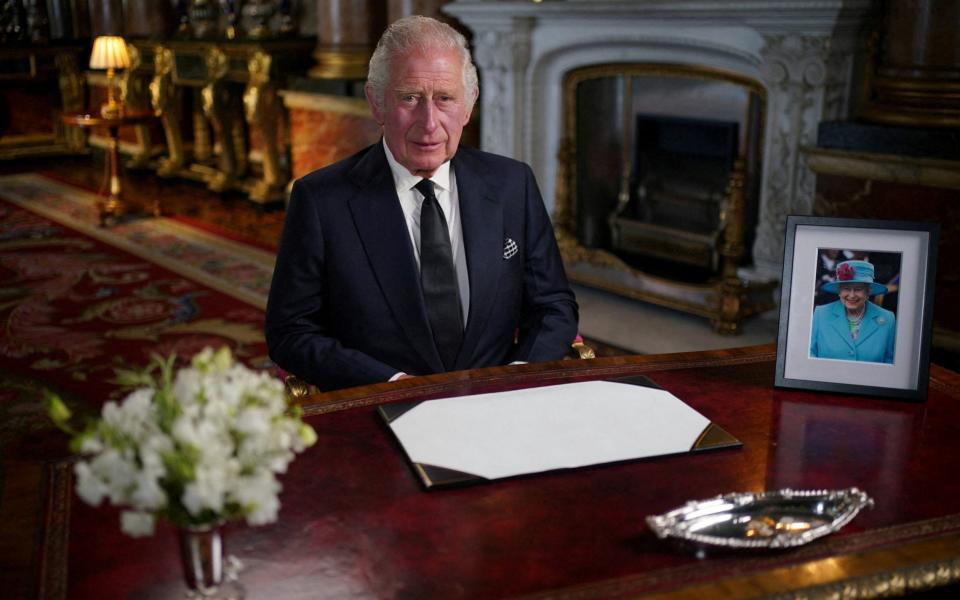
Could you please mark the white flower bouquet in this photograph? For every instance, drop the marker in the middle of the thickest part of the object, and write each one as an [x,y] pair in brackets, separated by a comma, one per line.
[197,448]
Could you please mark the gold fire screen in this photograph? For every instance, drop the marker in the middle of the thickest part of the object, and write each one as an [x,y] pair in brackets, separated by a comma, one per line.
[658,186]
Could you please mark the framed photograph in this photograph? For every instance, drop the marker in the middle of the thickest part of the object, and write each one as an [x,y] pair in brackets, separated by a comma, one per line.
[856,306]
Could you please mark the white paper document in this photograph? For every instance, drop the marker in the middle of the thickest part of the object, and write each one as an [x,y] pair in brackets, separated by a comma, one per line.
[518,432]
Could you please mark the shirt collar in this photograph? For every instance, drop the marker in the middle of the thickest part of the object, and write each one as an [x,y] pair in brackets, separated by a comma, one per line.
[404,180]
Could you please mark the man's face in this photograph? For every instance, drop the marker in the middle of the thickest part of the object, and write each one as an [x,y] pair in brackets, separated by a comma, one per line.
[854,296]
[424,109]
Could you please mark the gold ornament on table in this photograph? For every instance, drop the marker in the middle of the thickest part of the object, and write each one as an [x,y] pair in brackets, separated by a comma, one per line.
[110,53]
[196,446]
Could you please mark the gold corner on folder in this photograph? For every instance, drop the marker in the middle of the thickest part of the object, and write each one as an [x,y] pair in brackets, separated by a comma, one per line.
[433,476]
[714,436]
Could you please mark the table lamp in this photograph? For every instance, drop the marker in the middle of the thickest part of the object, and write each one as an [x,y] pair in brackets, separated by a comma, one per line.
[110,52]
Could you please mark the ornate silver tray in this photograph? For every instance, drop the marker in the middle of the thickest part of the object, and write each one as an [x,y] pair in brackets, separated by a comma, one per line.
[776,519]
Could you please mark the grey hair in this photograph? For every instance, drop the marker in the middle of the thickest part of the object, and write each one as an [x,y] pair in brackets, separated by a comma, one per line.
[418,33]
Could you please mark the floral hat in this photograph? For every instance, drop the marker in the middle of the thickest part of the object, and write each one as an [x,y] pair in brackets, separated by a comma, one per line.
[855,271]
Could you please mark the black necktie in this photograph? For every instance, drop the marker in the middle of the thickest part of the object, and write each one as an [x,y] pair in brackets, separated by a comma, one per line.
[438,277]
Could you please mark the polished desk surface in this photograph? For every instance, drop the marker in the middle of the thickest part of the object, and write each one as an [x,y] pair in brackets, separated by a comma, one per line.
[356,523]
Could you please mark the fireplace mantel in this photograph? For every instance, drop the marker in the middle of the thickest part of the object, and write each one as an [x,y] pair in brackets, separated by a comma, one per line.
[801,52]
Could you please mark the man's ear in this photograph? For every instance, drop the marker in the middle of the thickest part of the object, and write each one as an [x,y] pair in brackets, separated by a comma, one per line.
[470,110]
[371,100]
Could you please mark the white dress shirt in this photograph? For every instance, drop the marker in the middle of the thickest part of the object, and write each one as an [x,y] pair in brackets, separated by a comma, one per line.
[411,202]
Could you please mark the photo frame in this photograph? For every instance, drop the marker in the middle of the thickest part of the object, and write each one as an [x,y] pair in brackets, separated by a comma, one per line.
[856,306]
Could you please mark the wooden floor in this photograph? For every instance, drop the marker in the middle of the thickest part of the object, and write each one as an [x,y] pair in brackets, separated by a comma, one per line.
[178,197]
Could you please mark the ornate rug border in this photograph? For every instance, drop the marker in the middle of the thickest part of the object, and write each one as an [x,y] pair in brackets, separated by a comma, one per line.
[254,255]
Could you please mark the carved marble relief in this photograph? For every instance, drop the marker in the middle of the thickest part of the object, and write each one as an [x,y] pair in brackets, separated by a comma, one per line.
[502,55]
[806,83]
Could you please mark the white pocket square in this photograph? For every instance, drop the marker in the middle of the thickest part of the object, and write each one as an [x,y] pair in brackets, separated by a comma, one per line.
[509,249]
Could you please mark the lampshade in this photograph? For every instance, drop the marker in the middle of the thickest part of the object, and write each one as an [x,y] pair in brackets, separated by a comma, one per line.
[109,52]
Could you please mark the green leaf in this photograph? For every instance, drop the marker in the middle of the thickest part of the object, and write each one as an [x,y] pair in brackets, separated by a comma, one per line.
[307,434]
[58,412]
[76,442]
[180,463]
[56,408]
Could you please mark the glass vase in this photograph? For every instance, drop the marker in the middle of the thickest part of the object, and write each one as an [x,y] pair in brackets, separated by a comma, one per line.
[207,572]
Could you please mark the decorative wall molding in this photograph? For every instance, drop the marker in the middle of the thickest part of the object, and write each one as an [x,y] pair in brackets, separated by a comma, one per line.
[502,55]
[807,81]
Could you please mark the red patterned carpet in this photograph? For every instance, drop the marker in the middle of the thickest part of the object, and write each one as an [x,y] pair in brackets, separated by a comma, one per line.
[77,300]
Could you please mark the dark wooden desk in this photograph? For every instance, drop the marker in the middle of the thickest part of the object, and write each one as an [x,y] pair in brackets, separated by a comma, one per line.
[355,522]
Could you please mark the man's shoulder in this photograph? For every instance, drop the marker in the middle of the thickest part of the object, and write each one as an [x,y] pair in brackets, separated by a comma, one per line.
[337,171]
[488,160]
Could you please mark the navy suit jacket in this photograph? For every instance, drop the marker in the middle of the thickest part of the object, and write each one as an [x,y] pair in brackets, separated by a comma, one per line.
[346,307]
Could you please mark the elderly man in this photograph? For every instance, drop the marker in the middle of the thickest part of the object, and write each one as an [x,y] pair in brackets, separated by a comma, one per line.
[415,255]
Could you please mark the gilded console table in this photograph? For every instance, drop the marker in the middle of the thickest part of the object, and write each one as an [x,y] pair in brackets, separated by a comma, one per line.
[233,87]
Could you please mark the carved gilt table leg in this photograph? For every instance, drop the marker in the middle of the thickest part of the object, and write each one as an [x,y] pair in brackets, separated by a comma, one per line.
[133,95]
[165,99]
[216,106]
[202,142]
[113,207]
[260,110]
[239,132]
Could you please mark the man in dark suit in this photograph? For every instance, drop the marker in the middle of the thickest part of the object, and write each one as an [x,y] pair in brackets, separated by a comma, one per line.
[416,256]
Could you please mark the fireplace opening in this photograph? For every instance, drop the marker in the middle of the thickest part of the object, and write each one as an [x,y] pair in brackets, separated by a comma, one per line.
[678,185]
[656,146]
[658,184]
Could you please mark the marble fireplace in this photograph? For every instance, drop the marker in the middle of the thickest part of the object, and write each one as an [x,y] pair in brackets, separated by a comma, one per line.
[797,55]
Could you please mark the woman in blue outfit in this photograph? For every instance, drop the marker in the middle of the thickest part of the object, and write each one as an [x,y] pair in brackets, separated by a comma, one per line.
[853,328]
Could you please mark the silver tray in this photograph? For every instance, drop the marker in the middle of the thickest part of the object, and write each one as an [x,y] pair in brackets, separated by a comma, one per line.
[776,519]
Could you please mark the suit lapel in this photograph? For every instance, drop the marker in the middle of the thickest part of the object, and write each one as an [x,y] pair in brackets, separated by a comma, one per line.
[380,223]
[482,224]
